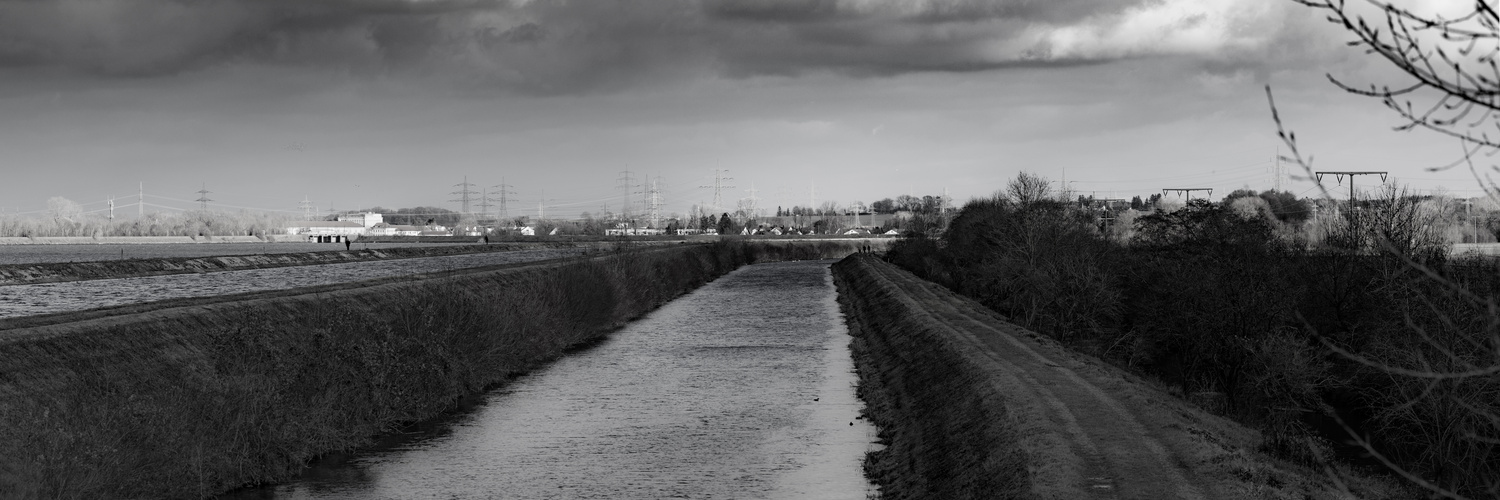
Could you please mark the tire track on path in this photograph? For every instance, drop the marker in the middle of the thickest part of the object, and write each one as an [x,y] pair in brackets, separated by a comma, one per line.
[1117,456]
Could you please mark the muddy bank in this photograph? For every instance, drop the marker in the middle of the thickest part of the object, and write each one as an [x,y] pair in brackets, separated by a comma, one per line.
[17,274]
[187,399]
[946,429]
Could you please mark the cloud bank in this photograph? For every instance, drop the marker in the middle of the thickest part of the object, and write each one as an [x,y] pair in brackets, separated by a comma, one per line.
[566,46]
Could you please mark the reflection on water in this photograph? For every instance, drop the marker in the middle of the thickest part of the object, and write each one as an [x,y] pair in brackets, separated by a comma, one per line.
[742,389]
[42,298]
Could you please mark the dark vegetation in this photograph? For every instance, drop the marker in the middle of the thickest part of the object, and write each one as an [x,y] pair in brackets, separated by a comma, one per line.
[1417,336]
[188,400]
[1292,338]
[417,216]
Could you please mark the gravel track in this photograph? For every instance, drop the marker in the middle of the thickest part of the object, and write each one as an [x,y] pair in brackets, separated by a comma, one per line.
[1092,430]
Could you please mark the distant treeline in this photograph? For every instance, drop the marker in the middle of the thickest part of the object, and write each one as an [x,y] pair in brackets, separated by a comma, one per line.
[1359,314]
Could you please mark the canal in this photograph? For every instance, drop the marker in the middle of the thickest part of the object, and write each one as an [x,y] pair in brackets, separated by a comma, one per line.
[741,389]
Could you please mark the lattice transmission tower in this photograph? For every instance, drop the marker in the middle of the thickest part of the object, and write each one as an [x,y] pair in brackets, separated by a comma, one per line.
[203,197]
[719,186]
[465,192]
[505,192]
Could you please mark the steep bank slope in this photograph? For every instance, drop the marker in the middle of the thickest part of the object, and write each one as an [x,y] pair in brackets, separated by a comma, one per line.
[972,406]
[186,399]
[17,274]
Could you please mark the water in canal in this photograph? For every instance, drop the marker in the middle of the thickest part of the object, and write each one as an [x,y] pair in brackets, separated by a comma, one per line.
[741,389]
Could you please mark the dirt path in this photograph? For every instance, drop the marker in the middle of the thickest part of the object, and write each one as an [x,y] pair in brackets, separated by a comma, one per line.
[1088,429]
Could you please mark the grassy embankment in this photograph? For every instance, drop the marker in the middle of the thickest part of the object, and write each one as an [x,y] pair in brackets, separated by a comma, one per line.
[1229,312]
[189,398]
[15,274]
[946,428]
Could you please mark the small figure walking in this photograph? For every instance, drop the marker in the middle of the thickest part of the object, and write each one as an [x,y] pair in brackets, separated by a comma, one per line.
[346,244]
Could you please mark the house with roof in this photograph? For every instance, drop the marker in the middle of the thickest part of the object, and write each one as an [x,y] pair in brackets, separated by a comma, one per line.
[324,228]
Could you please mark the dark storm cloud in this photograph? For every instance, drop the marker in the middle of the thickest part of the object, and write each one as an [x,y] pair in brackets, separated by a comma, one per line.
[143,37]
[565,46]
[804,11]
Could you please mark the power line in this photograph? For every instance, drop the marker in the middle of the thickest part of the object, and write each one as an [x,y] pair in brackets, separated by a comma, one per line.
[625,184]
[719,188]
[203,197]
[1339,176]
[307,208]
[465,189]
[1187,192]
[505,192]
[654,202]
[484,203]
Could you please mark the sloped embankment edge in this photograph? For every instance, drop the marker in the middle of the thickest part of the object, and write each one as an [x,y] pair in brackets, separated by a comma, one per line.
[946,428]
[53,272]
[189,401]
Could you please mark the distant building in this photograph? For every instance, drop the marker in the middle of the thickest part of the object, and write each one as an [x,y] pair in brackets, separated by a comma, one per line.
[324,228]
[405,230]
[366,219]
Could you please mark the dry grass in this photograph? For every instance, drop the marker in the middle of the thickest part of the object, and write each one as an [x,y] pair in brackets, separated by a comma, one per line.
[947,433]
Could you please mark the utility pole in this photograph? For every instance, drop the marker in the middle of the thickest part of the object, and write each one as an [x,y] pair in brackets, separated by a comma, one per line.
[1277,169]
[111,207]
[465,189]
[1339,177]
[140,201]
[484,203]
[654,201]
[541,205]
[203,197]
[753,199]
[812,198]
[718,188]
[505,191]
[307,208]
[626,184]
[1187,192]
[943,208]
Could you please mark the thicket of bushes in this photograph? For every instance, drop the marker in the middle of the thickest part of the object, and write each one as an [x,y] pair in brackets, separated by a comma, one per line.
[187,402]
[1246,318]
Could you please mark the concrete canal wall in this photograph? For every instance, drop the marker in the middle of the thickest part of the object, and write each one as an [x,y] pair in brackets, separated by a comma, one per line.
[190,398]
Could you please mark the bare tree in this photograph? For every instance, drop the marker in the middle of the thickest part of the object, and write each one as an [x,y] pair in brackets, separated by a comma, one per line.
[63,209]
[1453,85]
[1028,188]
[1444,372]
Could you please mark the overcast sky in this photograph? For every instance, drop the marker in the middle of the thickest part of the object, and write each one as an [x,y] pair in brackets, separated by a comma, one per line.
[392,102]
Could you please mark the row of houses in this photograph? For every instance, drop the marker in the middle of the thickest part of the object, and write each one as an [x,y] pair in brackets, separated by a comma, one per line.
[350,226]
